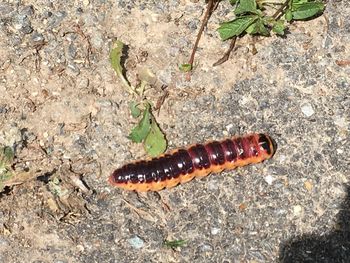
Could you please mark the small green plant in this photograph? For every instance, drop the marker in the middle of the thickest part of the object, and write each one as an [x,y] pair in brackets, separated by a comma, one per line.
[147,131]
[6,159]
[186,67]
[55,187]
[252,16]
[175,243]
[257,17]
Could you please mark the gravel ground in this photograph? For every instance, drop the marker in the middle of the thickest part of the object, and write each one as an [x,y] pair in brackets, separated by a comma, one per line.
[66,115]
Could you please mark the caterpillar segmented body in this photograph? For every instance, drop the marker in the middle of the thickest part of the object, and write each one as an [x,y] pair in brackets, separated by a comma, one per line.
[182,165]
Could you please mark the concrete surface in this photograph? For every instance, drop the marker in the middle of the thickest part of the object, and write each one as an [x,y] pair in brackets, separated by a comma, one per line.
[66,114]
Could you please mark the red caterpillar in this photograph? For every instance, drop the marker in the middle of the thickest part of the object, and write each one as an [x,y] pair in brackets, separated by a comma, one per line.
[199,160]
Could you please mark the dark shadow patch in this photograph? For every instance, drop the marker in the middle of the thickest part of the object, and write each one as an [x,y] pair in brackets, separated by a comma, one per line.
[46,176]
[6,191]
[333,247]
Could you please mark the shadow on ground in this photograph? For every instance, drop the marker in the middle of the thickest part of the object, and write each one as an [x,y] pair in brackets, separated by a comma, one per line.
[332,247]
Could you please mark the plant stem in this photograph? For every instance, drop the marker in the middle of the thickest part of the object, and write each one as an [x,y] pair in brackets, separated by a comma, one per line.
[226,56]
[271,2]
[280,10]
[208,12]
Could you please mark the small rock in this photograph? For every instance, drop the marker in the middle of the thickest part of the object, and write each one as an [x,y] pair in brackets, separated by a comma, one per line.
[10,135]
[193,24]
[136,242]
[229,127]
[206,247]
[307,109]
[215,230]
[308,185]
[297,210]
[269,179]
[97,40]
[80,248]
[56,19]
[341,122]
[83,83]
[72,69]
[37,37]
[72,51]
[340,151]
[27,10]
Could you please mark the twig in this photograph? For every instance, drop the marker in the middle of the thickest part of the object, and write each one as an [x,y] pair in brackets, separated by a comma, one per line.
[226,56]
[280,10]
[208,12]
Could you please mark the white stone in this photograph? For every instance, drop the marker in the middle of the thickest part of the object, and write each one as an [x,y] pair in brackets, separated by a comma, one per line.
[229,127]
[341,122]
[297,210]
[215,231]
[136,242]
[269,179]
[307,109]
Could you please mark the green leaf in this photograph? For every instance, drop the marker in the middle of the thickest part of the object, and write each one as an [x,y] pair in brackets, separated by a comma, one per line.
[115,58]
[155,142]
[279,27]
[55,187]
[258,27]
[246,6]
[233,2]
[236,26]
[175,243]
[185,67]
[288,15]
[298,2]
[135,111]
[140,132]
[6,156]
[6,159]
[306,10]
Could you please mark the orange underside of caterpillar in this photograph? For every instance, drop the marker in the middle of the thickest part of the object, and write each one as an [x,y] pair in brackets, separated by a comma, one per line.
[182,165]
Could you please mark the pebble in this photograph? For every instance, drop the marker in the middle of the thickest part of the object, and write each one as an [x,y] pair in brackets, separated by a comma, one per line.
[27,10]
[193,24]
[297,210]
[83,83]
[206,247]
[136,242]
[72,69]
[308,185]
[307,109]
[80,248]
[37,37]
[269,179]
[341,122]
[56,19]
[10,135]
[229,127]
[97,40]
[215,230]
[72,51]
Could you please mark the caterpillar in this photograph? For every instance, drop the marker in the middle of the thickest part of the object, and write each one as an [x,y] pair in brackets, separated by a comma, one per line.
[182,165]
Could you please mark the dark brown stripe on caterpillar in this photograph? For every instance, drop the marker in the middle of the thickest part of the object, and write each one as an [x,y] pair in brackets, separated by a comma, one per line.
[183,165]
